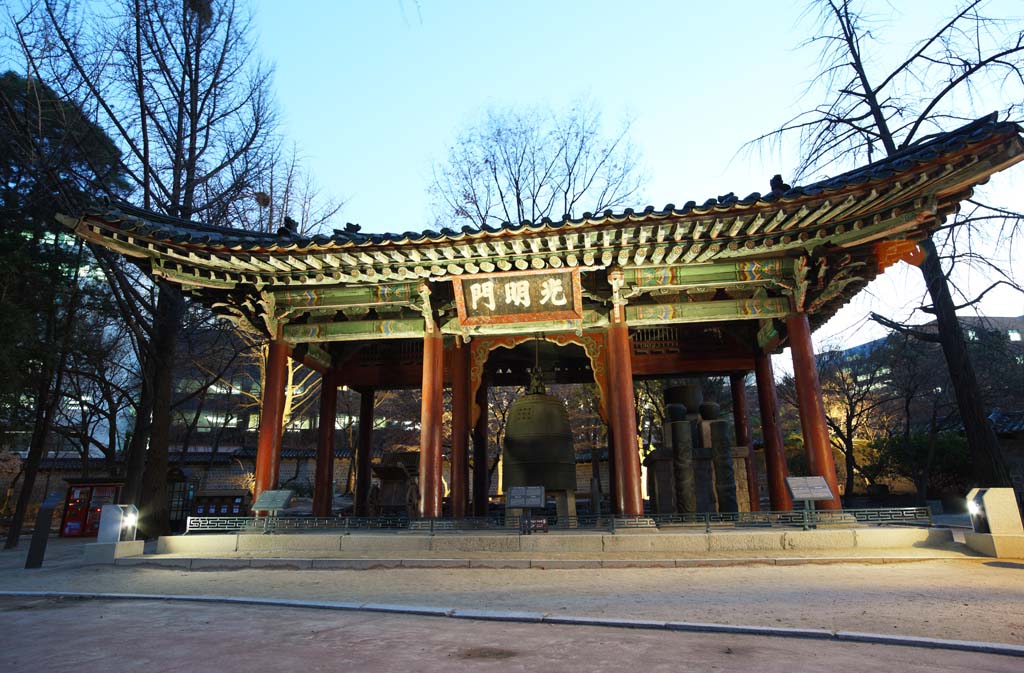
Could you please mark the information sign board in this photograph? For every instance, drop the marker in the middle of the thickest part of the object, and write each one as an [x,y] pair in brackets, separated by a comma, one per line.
[272,501]
[523,497]
[809,488]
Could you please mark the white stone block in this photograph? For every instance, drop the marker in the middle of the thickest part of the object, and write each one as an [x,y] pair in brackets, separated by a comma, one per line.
[196,544]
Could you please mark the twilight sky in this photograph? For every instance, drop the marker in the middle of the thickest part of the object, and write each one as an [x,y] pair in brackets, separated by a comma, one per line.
[375,92]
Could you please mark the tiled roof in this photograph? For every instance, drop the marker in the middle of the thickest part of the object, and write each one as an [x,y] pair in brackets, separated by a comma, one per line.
[172,230]
[809,248]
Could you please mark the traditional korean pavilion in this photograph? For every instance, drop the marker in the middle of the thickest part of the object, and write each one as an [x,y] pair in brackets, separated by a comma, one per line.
[709,288]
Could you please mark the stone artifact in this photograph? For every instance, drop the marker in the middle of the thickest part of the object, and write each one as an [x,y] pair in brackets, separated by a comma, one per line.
[679,436]
[721,456]
[702,453]
[661,488]
[538,447]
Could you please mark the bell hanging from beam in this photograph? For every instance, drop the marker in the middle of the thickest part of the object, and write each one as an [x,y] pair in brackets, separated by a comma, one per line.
[538,447]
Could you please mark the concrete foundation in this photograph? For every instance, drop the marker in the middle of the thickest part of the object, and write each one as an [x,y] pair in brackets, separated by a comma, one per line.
[998,546]
[108,552]
[599,544]
[192,544]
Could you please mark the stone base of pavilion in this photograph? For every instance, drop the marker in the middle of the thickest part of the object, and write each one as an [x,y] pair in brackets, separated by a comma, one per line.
[562,549]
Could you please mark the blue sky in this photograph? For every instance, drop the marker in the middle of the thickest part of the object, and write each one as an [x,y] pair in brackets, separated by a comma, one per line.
[374,94]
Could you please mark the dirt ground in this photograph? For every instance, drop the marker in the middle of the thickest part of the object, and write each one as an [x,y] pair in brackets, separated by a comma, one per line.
[952,599]
[152,637]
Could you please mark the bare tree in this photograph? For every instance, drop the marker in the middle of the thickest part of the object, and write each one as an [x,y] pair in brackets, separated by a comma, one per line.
[855,395]
[179,89]
[52,157]
[287,196]
[535,164]
[969,61]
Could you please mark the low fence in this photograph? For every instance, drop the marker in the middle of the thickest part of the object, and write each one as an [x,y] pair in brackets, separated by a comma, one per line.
[920,516]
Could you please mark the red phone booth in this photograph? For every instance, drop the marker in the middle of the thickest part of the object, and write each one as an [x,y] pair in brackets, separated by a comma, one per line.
[83,504]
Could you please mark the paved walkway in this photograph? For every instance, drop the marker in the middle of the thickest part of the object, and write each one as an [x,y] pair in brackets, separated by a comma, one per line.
[132,637]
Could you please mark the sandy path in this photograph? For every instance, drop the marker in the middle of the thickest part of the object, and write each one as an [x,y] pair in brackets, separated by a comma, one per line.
[105,636]
[947,599]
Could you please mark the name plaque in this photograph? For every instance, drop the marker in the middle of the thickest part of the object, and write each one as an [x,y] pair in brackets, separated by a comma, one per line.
[518,296]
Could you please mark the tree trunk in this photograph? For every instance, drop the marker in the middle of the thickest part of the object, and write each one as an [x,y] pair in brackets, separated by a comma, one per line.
[135,458]
[46,402]
[48,395]
[989,467]
[851,467]
[153,514]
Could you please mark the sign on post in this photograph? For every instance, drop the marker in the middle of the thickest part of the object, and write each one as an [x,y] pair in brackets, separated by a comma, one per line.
[272,501]
[525,497]
[807,490]
[37,547]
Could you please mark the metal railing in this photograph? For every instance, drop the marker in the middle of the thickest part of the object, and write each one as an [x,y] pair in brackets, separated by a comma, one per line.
[707,521]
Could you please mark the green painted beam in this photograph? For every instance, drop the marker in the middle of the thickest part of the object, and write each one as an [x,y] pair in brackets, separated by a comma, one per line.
[682,275]
[591,319]
[340,297]
[355,330]
[319,355]
[707,311]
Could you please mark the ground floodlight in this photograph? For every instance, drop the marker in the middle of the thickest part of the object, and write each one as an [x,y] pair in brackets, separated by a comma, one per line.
[976,508]
[118,523]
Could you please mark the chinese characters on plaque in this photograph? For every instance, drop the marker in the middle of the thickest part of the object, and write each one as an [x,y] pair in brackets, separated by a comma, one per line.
[518,297]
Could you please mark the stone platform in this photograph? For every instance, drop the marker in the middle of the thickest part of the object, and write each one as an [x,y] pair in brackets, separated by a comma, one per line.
[563,549]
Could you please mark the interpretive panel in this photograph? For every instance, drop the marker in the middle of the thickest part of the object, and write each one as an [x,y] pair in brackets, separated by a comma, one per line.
[272,501]
[522,497]
[809,488]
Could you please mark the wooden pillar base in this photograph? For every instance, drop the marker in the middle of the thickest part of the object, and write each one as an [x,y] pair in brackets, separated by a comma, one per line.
[460,430]
[738,387]
[431,486]
[774,450]
[364,454]
[480,466]
[812,407]
[323,484]
[268,446]
[628,493]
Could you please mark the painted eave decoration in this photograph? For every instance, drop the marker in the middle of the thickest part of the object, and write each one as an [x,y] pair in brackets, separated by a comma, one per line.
[807,248]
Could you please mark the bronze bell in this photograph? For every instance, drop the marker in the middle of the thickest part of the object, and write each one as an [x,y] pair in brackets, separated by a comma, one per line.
[538,442]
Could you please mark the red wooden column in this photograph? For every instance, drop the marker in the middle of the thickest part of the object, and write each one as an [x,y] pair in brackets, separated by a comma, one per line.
[480,481]
[268,446]
[363,452]
[737,384]
[774,452]
[323,485]
[812,408]
[628,496]
[431,487]
[460,430]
